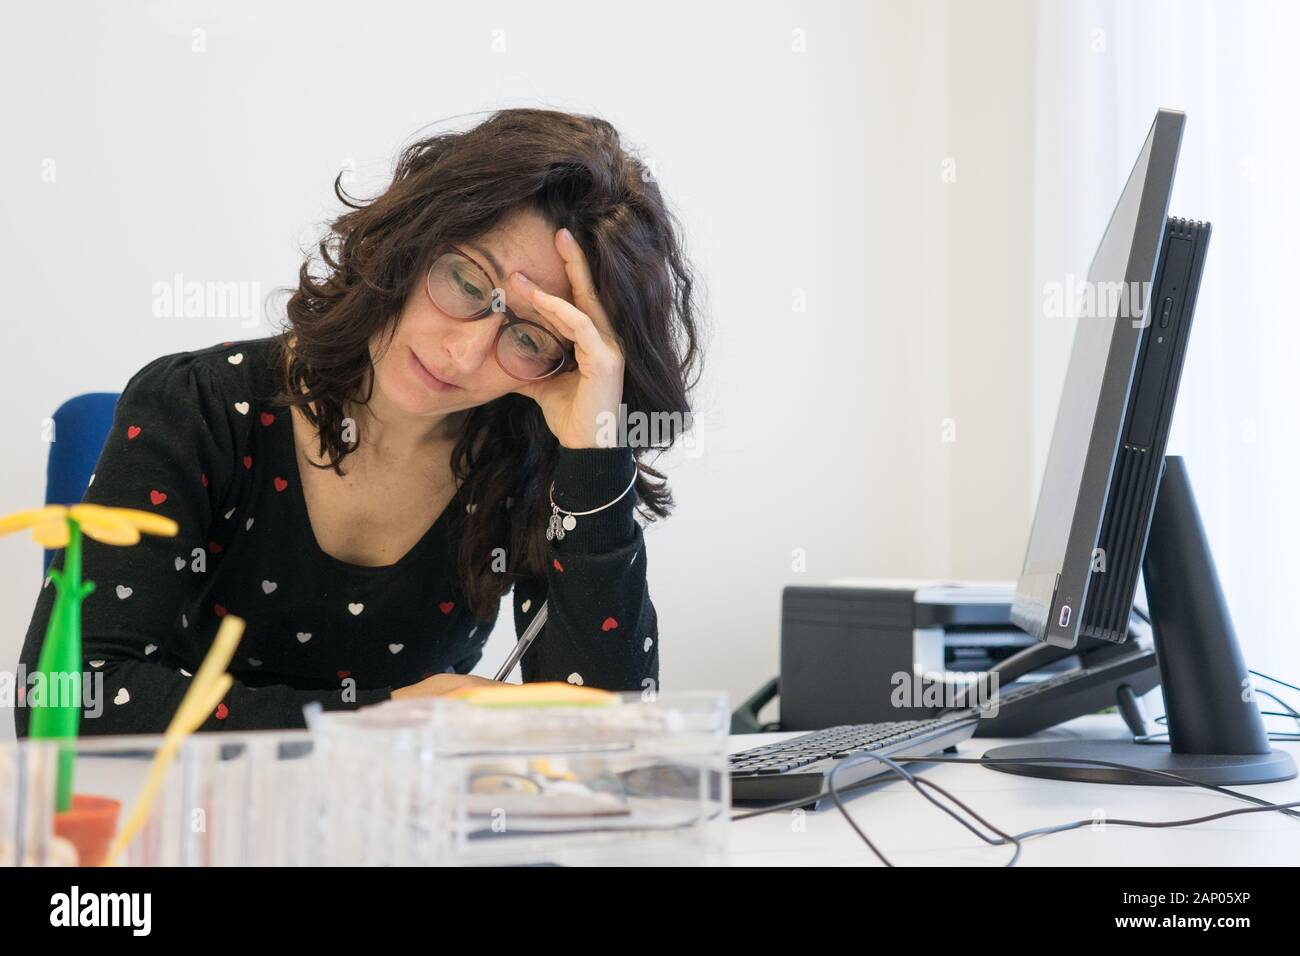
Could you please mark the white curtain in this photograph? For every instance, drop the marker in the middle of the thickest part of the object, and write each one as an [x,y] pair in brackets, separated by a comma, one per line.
[1233,68]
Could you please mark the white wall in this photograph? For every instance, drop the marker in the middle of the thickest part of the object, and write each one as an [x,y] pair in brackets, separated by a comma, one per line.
[820,171]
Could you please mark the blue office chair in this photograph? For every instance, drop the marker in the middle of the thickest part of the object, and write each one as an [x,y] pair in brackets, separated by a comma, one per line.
[81,426]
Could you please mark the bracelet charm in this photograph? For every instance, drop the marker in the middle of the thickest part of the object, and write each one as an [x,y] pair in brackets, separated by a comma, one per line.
[557,527]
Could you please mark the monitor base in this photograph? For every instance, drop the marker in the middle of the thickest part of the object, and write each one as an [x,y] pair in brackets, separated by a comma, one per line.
[1216,769]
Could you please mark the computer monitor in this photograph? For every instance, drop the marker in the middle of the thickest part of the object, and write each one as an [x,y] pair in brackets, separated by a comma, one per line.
[1112,504]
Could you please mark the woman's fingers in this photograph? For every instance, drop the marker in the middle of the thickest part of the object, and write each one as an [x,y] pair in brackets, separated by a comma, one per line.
[572,323]
[577,326]
[581,281]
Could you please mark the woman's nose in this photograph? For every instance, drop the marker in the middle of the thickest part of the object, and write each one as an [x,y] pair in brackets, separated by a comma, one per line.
[469,344]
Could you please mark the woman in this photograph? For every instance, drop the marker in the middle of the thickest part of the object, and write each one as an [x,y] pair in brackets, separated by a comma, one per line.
[366,486]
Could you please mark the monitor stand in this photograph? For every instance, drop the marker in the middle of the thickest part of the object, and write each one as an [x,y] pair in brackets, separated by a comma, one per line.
[1216,733]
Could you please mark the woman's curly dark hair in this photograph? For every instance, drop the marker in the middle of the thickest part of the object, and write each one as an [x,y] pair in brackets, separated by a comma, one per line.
[454,187]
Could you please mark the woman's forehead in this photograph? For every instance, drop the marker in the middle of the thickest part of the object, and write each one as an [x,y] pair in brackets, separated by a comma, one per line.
[523,242]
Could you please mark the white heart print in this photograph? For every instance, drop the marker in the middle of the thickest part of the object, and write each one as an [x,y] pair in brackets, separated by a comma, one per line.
[229,513]
[180,563]
[149,649]
[123,592]
[241,407]
[649,642]
[248,525]
[236,358]
[575,678]
[268,587]
[123,696]
[304,637]
[356,609]
[526,605]
[96,663]
[395,648]
[185,621]
[254,662]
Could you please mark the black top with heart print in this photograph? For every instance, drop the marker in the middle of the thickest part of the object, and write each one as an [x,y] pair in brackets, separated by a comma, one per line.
[196,438]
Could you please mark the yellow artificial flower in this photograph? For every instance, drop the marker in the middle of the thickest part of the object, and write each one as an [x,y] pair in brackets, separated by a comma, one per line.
[116,526]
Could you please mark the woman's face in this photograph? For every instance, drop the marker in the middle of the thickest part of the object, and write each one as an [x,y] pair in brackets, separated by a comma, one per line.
[437,363]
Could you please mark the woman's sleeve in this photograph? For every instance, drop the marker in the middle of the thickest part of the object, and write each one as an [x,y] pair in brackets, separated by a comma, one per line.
[175,439]
[601,629]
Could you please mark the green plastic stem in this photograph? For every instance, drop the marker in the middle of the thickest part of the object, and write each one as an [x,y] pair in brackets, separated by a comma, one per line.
[57,715]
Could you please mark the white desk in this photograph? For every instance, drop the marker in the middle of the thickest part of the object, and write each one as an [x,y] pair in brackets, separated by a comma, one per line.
[913,832]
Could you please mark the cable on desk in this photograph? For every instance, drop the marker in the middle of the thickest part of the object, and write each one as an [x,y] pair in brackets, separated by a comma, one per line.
[916,782]
[1275,735]
[896,770]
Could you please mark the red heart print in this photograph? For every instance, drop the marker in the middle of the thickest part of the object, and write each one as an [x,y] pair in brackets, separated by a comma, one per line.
[267,419]
[219,610]
[609,624]
[248,461]
[157,497]
[214,548]
[555,562]
[343,675]
[222,711]
[446,606]
[132,431]
[203,478]
[281,484]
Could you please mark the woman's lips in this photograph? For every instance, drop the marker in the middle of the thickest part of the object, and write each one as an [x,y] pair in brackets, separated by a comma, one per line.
[429,379]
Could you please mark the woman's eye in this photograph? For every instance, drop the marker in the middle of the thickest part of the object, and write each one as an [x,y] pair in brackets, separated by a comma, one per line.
[467,287]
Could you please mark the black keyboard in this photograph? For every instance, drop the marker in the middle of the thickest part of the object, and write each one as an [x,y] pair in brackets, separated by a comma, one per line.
[799,767]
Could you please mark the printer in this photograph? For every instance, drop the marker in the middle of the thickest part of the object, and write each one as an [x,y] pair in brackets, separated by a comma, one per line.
[867,650]
[844,643]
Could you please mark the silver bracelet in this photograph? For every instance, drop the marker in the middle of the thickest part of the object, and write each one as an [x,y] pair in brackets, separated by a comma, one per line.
[557,526]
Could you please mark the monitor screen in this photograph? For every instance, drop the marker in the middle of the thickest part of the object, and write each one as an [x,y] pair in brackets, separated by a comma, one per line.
[1110,311]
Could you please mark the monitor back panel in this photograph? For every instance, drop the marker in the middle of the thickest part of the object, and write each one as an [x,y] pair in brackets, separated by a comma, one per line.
[1139,461]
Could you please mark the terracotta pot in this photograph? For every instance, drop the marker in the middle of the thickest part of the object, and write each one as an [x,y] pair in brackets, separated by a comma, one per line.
[90,826]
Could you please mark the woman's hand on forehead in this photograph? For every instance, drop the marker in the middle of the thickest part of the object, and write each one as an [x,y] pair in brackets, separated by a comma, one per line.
[578,407]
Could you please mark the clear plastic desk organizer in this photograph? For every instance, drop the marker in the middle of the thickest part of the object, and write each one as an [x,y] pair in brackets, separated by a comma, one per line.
[642,782]
[239,799]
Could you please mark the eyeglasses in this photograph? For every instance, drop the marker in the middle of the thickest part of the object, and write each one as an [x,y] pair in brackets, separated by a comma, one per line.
[459,286]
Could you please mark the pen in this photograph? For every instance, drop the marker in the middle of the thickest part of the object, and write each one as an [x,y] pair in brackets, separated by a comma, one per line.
[524,642]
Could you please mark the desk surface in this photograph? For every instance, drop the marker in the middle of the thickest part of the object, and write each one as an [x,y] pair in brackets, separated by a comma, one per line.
[913,832]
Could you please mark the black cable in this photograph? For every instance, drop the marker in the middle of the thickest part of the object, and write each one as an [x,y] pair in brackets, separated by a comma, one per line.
[1275,680]
[915,782]
[1290,711]
[895,771]
[1284,808]
[894,765]
[1281,736]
